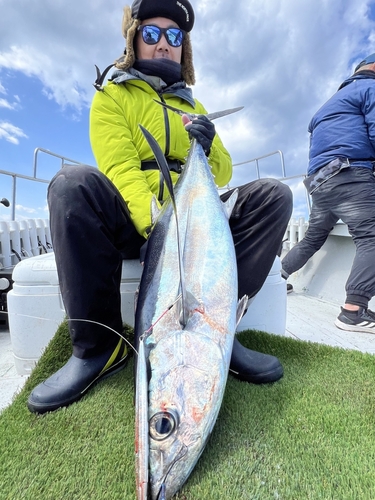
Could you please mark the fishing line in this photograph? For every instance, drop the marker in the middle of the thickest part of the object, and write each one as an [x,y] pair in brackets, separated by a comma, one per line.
[97,322]
[163,314]
[73,319]
[105,326]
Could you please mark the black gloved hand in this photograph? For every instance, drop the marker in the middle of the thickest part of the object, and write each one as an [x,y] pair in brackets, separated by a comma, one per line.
[203,130]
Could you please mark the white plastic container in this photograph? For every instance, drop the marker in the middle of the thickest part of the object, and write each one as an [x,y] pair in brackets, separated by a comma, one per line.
[36,310]
[35,307]
[267,310]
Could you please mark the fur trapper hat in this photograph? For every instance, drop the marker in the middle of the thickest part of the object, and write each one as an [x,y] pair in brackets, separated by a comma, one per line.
[179,11]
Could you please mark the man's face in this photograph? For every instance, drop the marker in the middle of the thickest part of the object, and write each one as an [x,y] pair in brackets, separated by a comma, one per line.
[161,49]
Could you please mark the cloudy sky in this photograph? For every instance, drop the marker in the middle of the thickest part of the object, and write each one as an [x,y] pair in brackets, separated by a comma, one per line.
[281,59]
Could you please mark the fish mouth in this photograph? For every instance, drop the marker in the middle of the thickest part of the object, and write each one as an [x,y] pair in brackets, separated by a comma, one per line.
[161,495]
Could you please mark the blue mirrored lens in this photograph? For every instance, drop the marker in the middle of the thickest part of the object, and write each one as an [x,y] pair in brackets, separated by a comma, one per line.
[174,37]
[152,34]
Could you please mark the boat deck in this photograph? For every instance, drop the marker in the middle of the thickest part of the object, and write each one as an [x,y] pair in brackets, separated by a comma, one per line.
[308,319]
[312,320]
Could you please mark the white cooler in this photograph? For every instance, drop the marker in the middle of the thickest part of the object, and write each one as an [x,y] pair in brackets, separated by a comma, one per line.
[35,307]
[267,310]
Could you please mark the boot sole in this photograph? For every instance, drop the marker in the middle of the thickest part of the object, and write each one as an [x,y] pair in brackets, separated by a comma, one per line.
[261,378]
[353,328]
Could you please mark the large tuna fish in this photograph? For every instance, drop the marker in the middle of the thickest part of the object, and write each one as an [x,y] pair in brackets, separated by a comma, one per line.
[186,317]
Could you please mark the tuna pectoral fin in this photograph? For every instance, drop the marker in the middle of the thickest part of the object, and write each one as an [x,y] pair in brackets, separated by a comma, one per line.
[229,204]
[163,166]
[241,308]
[155,210]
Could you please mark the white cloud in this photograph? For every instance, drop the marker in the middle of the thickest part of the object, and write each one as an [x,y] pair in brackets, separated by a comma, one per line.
[11,133]
[5,104]
[59,84]
[281,59]
[27,210]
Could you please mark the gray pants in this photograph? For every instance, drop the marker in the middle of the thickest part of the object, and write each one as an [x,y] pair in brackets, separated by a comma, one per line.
[349,196]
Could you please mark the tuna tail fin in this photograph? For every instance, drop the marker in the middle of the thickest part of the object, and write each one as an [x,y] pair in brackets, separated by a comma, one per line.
[229,204]
[163,166]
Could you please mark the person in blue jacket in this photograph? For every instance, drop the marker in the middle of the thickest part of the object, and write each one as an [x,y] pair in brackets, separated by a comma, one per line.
[340,179]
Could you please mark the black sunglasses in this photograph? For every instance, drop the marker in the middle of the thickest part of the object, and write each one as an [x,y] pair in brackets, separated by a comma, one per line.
[151,35]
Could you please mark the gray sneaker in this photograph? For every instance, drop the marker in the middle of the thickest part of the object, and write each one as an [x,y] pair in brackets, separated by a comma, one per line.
[362,321]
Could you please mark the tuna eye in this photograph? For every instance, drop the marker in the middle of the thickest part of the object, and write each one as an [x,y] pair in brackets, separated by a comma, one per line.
[162,425]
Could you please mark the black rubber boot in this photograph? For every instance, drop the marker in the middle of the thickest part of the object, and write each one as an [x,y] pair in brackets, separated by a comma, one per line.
[254,367]
[75,378]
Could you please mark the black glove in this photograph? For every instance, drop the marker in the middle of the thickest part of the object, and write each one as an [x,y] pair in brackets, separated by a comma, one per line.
[203,130]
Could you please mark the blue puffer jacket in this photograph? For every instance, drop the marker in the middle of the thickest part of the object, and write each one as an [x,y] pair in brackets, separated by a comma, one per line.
[345,125]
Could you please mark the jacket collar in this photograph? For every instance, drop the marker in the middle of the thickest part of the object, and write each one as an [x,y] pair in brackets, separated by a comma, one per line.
[360,75]
[178,89]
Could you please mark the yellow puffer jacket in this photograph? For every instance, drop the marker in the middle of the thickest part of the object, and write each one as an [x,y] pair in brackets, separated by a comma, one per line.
[119,146]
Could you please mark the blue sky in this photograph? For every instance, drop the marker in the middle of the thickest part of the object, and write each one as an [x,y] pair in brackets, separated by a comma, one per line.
[281,59]
[41,123]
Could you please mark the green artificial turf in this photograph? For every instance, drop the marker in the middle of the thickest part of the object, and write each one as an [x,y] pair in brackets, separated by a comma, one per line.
[309,436]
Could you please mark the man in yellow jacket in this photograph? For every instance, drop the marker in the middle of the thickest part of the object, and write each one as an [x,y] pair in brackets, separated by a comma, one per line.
[101,216]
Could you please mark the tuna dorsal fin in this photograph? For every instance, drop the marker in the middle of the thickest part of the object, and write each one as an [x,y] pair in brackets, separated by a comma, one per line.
[229,204]
[163,166]
[161,161]
[241,308]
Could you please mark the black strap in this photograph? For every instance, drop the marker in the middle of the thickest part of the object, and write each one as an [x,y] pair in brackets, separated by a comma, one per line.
[174,165]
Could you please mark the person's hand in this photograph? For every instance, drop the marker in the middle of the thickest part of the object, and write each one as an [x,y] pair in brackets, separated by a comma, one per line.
[201,129]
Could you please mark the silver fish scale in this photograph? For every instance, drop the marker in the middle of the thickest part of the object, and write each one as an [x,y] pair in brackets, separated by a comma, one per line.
[189,364]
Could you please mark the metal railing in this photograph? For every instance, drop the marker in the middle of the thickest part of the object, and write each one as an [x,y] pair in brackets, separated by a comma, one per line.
[283,177]
[34,178]
[65,160]
[256,161]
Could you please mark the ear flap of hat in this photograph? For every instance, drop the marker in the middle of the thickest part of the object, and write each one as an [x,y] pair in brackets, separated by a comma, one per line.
[129,30]
[187,67]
